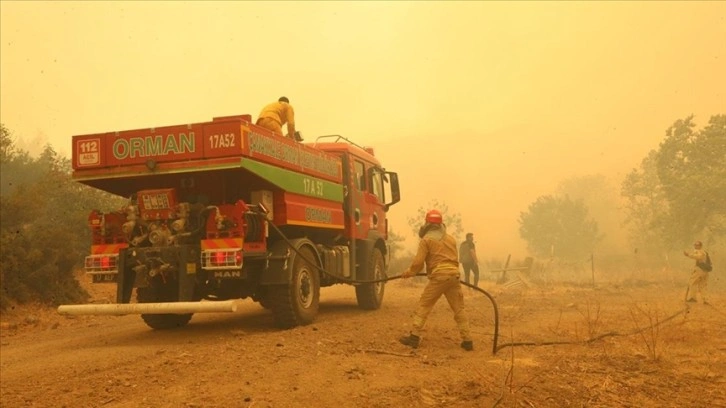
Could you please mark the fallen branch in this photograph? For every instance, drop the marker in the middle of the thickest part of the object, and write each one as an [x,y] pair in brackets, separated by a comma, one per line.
[592,339]
[392,353]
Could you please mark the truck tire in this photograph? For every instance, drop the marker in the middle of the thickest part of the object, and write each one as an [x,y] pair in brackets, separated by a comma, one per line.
[265,304]
[263,297]
[166,293]
[297,303]
[370,295]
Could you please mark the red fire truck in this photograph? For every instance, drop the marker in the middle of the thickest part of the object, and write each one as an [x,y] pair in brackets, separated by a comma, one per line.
[225,210]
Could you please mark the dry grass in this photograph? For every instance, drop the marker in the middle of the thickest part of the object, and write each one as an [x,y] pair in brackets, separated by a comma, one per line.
[591,315]
[647,324]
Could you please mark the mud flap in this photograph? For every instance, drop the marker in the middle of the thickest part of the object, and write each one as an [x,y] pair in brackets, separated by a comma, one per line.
[186,264]
[281,256]
[278,265]
[125,279]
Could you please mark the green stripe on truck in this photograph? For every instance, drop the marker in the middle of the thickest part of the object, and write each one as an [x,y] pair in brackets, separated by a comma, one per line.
[296,182]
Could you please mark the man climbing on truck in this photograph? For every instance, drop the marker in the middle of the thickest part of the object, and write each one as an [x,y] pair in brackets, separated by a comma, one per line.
[277,114]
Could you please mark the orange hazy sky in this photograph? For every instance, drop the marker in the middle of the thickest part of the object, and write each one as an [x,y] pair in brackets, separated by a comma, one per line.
[484,105]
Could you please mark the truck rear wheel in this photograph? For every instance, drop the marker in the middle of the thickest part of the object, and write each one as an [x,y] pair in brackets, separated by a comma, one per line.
[262,297]
[370,295]
[165,293]
[297,303]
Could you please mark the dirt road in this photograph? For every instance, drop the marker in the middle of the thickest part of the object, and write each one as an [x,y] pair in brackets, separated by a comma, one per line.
[351,358]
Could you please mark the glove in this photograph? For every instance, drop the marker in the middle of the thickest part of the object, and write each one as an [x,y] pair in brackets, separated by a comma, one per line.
[407,274]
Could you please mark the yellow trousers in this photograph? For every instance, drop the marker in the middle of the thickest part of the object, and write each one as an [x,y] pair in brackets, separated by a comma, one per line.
[270,124]
[697,285]
[450,287]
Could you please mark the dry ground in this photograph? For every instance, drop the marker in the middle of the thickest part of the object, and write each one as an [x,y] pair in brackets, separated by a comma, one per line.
[351,358]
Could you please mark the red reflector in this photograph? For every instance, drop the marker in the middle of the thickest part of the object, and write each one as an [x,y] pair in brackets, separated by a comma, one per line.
[219,258]
[105,262]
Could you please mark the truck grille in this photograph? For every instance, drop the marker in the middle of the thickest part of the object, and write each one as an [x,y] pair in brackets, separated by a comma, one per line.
[101,264]
[228,258]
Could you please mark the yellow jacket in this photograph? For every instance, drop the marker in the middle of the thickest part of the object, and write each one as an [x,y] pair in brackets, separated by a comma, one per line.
[282,113]
[699,255]
[438,250]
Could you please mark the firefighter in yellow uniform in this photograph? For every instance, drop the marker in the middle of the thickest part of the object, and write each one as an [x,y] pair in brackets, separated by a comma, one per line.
[437,250]
[277,114]
[698,283]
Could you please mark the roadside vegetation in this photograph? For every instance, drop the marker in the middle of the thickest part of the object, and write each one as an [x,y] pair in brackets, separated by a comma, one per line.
[44,232]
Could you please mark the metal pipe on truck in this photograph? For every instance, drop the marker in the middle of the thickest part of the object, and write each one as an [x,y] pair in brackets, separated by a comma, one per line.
[149,308]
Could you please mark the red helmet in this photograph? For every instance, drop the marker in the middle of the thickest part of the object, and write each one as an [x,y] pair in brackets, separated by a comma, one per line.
[434,217]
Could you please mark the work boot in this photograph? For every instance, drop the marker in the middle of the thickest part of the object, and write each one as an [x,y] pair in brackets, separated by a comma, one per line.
[467,345]
[411,340]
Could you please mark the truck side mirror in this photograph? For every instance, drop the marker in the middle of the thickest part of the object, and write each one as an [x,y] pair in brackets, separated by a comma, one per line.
[395,191]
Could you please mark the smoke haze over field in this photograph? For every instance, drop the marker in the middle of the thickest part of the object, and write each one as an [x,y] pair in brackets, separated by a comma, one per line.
[483,105]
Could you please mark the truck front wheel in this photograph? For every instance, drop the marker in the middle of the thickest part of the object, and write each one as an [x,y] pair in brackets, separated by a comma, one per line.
[164,293]
[297,303]
[370,295]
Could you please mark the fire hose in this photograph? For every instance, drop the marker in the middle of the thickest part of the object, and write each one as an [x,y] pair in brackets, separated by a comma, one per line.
[386,279]
[495,346]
